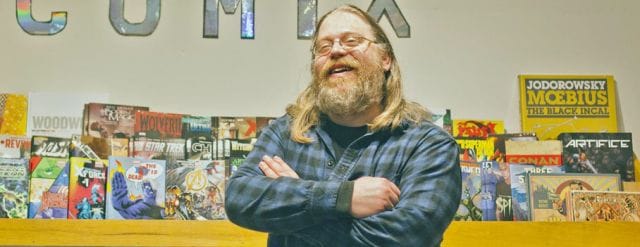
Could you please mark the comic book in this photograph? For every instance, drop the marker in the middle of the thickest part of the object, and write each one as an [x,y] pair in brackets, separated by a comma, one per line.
[194,127]
[58,114]
[158,125]
[604,206]
[549,193]
[13,114]
[15,147]
[519,195]
[552,104]
[239,128]
[195,190]
[470,202]
[87,185]
[499,146]
[102,148]
[473,138]
[110,120]
[199,149]
[599,153]
[14,188]
[135,188]
[548,153]
[442,118]
[46,146]
[237,154]
[262,122]
[49,188]
[169,150]
[495,191]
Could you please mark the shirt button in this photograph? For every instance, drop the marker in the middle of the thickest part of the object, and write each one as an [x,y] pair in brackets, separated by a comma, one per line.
[330,164]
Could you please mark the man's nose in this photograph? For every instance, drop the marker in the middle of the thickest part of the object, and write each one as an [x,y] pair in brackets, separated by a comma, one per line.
[337,50]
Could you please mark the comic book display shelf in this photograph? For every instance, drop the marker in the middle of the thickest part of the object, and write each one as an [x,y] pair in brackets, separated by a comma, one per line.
[29,232]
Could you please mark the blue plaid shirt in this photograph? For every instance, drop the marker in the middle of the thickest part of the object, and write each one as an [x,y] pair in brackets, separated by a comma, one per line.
[421,159]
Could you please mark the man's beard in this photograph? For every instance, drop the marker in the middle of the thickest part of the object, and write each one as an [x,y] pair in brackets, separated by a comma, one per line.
[346,96]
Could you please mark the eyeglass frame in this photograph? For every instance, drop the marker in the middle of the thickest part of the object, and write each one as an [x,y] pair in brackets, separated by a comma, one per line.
[341,41]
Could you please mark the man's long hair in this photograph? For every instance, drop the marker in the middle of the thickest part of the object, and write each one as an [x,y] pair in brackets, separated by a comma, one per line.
[305,113]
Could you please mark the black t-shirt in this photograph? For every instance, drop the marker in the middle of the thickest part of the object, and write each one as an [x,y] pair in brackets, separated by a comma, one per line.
[342,136]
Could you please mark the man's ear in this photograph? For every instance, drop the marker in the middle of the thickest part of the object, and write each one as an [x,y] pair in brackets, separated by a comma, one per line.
[386,62]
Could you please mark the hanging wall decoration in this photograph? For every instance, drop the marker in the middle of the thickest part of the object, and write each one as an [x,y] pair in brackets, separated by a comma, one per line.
[31,26]
[390,8]
[211,16]
[307,18]
[124,27]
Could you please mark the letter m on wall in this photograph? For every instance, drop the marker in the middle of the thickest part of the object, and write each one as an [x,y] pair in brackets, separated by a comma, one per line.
[211,16]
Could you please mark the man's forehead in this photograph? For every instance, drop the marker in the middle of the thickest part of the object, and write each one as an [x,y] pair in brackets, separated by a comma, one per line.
[340,22]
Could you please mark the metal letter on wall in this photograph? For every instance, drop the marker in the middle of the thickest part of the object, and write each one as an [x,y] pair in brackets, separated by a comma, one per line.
[29,25]
[211,16]
[378,8]
[307,17]
[124,27]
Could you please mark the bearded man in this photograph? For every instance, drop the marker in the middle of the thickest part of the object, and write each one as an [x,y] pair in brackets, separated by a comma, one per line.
[352,163]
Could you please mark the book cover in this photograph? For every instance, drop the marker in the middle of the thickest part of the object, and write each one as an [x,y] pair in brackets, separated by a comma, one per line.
[46,146]
[442,118]
[549,193]
[158,125]
[239,150]
[240,128]
[470,202]
[261,123]
[14,188]
[519,195]
[110,120]
[135,188]
[473,138]
[499,145]
[49,190]
[195,190]
[13,114]
[604,206]
[15,147]
[199,149]
[87,186]
[552,104]
[58,114]
[169,150]
[495,191]
[548,153]
[196,127]
[102,148]
[599,153]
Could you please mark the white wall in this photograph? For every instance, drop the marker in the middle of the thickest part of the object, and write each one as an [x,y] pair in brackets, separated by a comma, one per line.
[462,54]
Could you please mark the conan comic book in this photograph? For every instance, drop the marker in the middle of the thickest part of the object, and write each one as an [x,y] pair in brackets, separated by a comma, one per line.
[135,188]
[49,187]
[110,120]
[13,114]
[470,208]
[195,127]
[195,190]
[15,147]
[58,114]
[604,206]
[552,104]
[599,153]
[499,146]
[547,153]
[495,191]
[549,193]
[473,139]
[170,150]
[519,195]
[14,188]
[158,125]
[87,186]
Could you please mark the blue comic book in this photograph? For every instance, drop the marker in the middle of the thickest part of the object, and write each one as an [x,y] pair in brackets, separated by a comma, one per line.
[495,194]
[518,172]
[135,188]
[470,202]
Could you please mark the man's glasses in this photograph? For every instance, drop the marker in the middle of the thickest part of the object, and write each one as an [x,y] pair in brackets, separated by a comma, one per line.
[348,42]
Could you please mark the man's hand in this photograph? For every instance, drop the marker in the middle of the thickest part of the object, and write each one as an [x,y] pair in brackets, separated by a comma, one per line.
[372,195]
[276,167]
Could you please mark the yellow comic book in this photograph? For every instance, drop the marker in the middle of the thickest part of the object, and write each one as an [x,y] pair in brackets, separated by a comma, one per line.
[551,104]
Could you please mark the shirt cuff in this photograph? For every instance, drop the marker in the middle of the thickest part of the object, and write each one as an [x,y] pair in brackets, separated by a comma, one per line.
[343,202]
